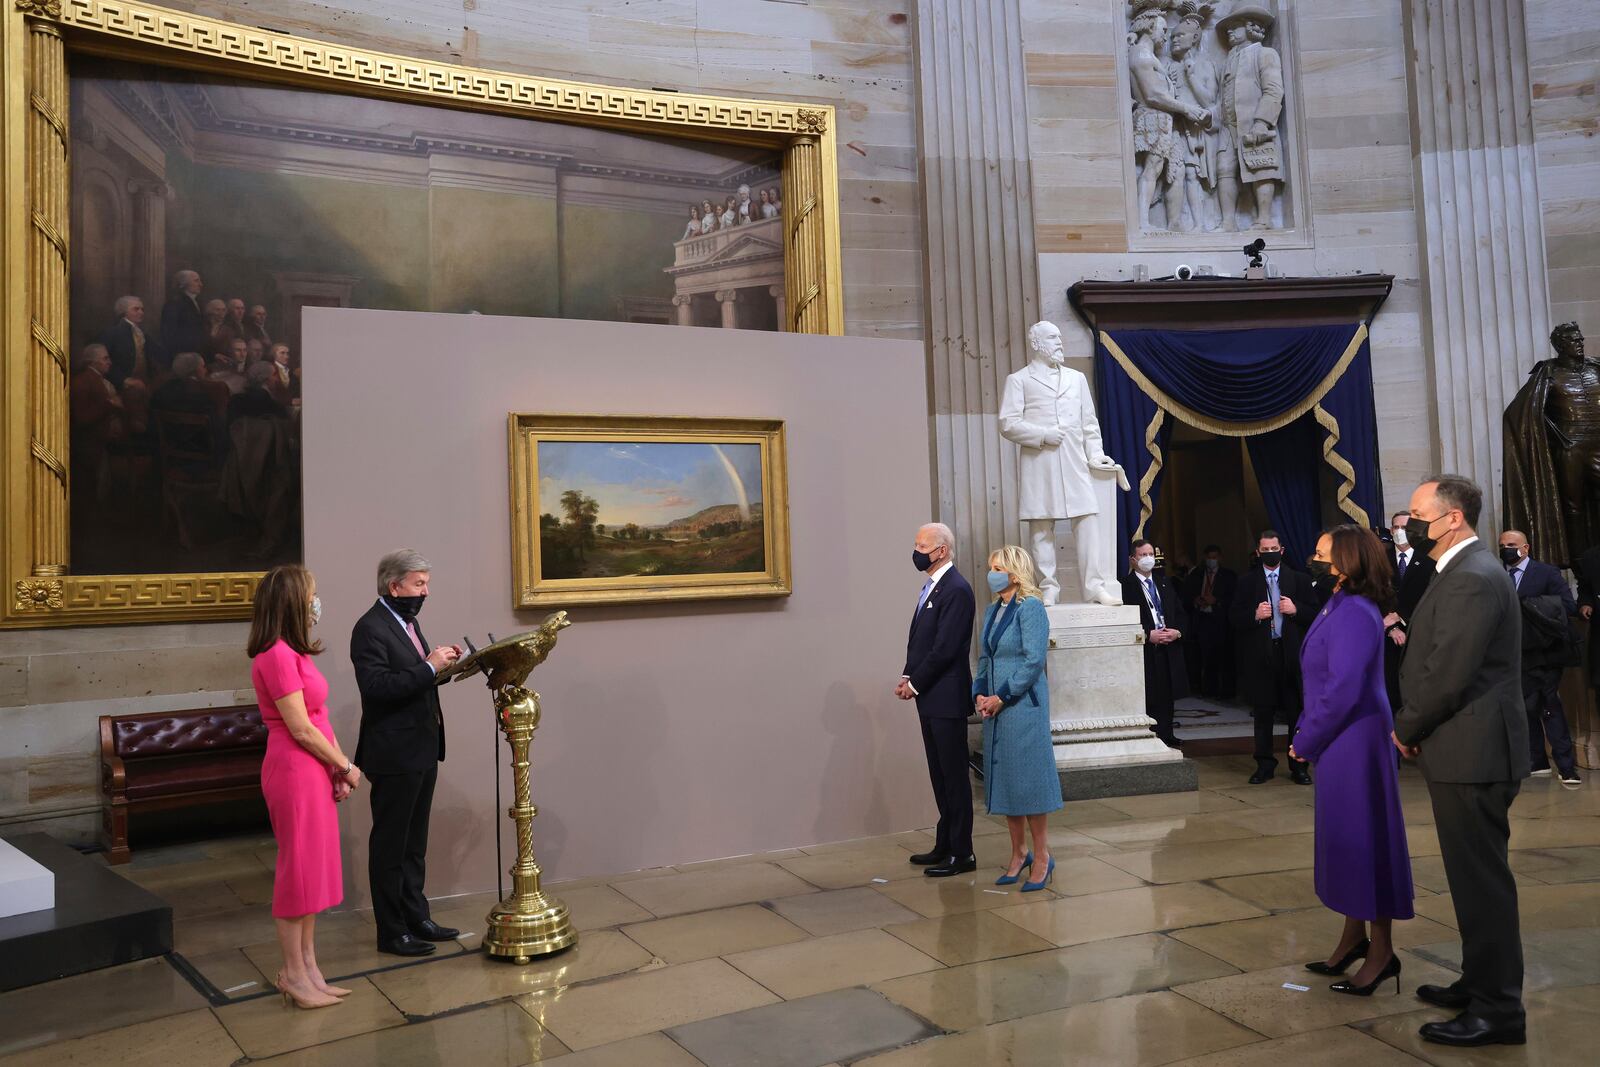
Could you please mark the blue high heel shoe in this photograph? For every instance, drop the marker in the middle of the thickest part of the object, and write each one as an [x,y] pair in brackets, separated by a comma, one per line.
[1030,887]
[1011,879]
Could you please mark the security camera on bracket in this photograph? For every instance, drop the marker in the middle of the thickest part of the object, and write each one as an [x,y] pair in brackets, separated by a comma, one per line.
[1256,250]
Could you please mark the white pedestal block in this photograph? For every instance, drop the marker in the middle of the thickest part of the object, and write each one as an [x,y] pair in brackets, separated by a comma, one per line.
[25,885]
[1103,740]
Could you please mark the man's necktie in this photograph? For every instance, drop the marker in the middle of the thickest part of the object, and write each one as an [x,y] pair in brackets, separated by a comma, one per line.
[1516,578]
[416,642]
[1155,603]
[922,598]
[1404,556]
[1272,598]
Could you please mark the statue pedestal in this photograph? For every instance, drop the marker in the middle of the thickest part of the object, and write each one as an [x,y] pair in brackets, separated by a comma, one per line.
[1103,741]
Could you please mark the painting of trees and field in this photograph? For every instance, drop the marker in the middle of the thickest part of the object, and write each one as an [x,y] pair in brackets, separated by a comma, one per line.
[631,509]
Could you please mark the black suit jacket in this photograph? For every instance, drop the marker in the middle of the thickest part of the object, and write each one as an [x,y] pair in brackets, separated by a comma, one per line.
[183,325]
[1254,637]
[1541,579]
[939,650]
[1461,683]
[1223,587]
[1157,658]
[119,344]
[1409,588]
[402,726]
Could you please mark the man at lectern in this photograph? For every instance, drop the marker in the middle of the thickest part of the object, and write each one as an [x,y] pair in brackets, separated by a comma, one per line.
[402,742]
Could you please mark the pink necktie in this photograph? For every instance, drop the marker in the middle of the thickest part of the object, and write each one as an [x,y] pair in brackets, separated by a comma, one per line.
[411,631]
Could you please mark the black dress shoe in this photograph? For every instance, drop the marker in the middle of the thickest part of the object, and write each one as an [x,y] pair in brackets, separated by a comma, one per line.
[1299,776]
[1469,1029]
[429,930]
[1263,774]
[405,945]
[953,866]
[1443,996]
[928,859]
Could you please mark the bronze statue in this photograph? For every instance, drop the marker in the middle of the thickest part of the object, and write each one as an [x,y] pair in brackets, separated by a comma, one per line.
[1552,453]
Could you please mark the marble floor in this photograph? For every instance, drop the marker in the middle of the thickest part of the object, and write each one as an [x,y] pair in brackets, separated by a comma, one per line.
[1174,934]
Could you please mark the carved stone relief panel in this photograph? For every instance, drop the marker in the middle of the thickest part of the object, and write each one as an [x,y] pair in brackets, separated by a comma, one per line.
[1212,133]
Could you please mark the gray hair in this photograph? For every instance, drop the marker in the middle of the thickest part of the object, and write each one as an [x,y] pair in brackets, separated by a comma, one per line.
[942,535]
[124,303]
[185,364]
[181,279]
[89,354]
[259,373]
[396,565]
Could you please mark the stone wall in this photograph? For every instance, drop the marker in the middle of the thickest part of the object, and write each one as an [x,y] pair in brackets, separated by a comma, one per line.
[1564,67]
[854,54]
[1351,73]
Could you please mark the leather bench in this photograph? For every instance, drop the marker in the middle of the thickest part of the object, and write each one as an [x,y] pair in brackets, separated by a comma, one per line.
[168,760]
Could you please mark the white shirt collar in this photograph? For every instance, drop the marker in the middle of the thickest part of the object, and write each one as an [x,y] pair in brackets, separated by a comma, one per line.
[1451,553]
[395,613]
[937,573]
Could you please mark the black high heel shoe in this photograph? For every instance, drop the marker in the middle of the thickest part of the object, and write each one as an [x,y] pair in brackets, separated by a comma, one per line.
[1390,970]
[1358,953]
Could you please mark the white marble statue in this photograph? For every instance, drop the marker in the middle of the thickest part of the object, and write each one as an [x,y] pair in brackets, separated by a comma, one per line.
[1250,149]
[1047,409]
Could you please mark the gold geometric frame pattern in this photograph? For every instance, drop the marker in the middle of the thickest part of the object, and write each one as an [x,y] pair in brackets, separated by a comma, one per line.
[35,38]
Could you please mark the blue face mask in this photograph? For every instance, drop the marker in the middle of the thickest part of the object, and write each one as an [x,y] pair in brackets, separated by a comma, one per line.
[999,581]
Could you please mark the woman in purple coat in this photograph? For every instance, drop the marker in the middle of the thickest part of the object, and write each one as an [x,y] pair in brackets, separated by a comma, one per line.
[1363,865]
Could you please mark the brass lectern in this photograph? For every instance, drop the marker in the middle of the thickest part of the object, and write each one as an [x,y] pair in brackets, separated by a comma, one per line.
[529,922]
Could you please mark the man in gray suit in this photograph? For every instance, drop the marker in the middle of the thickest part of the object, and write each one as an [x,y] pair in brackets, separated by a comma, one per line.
[1462,715]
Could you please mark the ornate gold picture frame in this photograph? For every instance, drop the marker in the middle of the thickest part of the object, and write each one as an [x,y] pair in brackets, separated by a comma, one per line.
[609,509]
[38,36]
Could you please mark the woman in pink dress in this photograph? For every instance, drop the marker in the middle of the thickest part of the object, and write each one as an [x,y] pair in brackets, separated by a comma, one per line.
[304,775]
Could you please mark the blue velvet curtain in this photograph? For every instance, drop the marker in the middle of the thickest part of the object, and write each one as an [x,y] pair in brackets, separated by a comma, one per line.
[1239,383]
[1285,462]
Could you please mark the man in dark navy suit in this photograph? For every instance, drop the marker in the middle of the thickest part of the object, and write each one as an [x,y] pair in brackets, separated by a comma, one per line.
[402,741]
[1166,676]
[938,676]
[1544,657]
[1413,571]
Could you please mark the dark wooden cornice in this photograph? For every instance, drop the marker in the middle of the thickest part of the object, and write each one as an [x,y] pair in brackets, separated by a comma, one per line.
[1228,303]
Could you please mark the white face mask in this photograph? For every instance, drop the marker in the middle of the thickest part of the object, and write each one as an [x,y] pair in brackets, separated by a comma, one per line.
[1146,564]
[1399,537]
[316,610]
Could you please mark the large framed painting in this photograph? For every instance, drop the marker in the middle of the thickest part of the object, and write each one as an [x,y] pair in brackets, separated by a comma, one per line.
[624,509]
[176,189]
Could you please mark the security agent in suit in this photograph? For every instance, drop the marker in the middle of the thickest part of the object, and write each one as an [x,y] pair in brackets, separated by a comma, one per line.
[1547,650]
[1208,595]
[938,676]
[1270,613]
[1412,572]
[1166,676]
[401,746]
[1462,716]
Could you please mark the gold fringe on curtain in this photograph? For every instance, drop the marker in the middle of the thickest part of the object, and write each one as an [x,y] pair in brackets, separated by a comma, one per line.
[1313,402]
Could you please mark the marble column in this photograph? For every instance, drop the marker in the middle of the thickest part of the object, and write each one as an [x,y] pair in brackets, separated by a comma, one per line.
[1482,241]
[776,292]
[685,305]
[983,281]
[729,298]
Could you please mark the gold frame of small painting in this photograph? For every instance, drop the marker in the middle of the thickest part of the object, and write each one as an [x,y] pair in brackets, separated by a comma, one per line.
[628,509]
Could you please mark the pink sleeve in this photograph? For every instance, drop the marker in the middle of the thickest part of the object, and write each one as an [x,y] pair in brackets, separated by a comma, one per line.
[279,671]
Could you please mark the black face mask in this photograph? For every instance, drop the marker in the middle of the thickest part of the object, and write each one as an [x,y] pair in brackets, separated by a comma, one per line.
[1510,556]
[921,560]
[1417,534]
[1320,568]
[405,606]
[1271,559]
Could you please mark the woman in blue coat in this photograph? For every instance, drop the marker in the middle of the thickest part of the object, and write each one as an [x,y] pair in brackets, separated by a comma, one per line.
[1363,868]
[1012,694]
